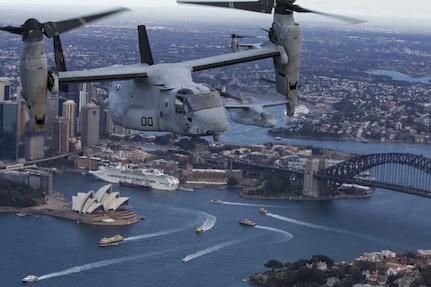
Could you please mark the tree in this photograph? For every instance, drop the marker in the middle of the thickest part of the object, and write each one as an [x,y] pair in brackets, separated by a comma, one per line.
[274,264]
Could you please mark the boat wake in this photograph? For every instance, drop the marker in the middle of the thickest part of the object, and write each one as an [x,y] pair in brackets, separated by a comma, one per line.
[103,263]
[321,227]
[88,266]
[250,204]
[209,250]
[149,235]
[287,236]
[209,222]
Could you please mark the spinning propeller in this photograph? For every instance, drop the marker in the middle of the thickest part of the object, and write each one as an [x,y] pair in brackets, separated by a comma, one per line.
[35,78]
[50,29]
[266,6]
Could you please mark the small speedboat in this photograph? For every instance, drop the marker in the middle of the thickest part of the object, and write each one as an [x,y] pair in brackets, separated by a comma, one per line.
[216,201]
[247,222]
[263,210]
[29,278]
[199,229]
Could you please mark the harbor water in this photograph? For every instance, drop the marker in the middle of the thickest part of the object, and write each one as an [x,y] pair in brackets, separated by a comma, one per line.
[165,250]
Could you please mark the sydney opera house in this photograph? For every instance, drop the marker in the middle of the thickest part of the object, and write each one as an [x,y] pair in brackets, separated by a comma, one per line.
[104,200]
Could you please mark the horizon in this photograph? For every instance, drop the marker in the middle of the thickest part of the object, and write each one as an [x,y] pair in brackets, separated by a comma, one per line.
[394,17]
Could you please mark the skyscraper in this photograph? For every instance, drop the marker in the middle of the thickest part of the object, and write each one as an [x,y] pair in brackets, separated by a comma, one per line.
[8,130]
[60,135]
[52,112]
[90,116]
[69,112]
[4,89]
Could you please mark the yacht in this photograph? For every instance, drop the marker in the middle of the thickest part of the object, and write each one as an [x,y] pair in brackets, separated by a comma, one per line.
[29,278]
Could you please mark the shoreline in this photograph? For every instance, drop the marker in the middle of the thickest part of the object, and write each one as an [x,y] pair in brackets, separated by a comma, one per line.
[302,198]
[55,205]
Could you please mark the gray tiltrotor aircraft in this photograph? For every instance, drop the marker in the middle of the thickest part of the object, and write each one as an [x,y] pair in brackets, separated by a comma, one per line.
[162,97]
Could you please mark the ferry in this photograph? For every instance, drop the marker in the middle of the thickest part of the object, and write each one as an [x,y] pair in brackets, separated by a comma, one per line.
[263,210]
[29,278]
[114,240]
[199,229]
[247,222]
[152,177]
[217,201]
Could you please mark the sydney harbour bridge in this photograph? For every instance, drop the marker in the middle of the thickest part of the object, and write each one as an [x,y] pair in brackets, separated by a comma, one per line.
[402,172]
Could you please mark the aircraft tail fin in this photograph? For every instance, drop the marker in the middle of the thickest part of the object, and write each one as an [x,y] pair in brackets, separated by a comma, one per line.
[144,46]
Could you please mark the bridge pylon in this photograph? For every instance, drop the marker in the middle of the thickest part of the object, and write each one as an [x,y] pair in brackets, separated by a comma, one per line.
[312,186]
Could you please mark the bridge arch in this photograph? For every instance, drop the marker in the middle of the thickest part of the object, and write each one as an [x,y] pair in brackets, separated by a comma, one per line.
[347,171]
[356,165]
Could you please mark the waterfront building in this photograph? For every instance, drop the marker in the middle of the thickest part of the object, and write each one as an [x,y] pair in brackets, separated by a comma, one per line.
[33,144]
[8,131]
[104,200]
[36,179]
[90,124]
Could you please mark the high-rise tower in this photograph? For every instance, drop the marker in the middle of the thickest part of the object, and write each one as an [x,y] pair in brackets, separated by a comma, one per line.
[90,116]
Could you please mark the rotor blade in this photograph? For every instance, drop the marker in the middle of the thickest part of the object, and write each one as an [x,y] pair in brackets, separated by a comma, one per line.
[10,29]
[54,28]
[299,9]
[59,60]
[255,6]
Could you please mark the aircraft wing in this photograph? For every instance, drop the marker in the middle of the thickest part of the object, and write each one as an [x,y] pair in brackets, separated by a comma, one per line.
[247,106]
[104,74]
[268,51]
[120,72]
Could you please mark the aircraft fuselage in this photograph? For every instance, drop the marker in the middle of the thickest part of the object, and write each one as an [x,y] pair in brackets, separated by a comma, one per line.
[182,107]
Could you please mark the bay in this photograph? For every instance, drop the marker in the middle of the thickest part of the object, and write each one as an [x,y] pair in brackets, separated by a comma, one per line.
[395,75]
[65,253]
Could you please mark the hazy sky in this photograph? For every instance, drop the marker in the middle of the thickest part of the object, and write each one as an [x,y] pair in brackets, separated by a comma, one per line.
[408,11]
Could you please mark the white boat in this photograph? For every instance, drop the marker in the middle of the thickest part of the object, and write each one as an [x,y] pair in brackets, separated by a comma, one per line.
[155,178]
[29,278]
[263,210]
[247,222]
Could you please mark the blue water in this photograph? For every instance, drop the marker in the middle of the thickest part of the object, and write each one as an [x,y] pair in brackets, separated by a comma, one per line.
[65,253]
[395,75]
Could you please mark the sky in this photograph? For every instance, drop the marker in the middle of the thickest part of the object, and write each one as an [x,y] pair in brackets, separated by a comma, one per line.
[393,12]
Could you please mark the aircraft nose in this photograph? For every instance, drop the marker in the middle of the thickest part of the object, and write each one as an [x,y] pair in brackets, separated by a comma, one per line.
[209,122]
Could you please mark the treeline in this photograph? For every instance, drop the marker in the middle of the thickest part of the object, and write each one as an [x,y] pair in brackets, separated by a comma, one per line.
[311,273]
[14,194]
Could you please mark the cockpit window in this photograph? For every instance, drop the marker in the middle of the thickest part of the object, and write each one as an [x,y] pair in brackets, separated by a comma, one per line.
[186,101]
[203,101]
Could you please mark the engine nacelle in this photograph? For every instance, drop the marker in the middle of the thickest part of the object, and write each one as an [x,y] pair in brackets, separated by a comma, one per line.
[34,80]
[287,73]
[53,82]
